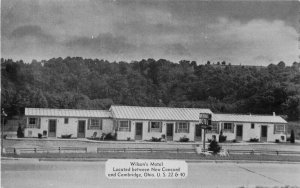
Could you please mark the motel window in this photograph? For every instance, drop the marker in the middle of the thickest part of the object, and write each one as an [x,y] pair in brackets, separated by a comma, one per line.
[227,126]
[66,120]
[95,124]
[33,123]
[214,128]
[124,126]
[183,127]
[156,126]
[252,126]
[279,128]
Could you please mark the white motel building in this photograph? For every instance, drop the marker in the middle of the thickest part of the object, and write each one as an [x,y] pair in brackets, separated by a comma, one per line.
[143,123]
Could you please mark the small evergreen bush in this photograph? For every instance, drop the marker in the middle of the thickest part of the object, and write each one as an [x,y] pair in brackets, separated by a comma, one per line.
[292,138]
[20,133]
[214,147]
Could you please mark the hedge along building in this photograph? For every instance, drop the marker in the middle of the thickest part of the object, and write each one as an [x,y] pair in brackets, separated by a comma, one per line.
[58,122]
[143,123]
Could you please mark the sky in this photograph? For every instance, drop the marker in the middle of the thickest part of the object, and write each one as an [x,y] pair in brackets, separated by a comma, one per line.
[238,32]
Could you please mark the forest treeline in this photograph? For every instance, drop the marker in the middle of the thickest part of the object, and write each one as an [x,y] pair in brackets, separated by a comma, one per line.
[78,83]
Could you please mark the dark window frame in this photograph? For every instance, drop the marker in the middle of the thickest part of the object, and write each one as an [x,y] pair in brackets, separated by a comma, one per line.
[66,120]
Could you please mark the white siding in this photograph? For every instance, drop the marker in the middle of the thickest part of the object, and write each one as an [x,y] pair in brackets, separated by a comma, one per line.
[70,128]
[190,135]
[148,135]
[125,135]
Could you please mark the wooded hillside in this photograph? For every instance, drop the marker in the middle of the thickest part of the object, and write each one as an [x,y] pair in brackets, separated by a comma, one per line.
[96,84]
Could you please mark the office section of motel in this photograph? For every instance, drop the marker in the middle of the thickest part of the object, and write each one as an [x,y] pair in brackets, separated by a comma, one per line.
[143,123]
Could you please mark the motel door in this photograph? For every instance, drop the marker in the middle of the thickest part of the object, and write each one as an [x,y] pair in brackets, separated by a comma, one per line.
[138,131]
[81,129]
[239,132]
[264,133]
[52,128]
[198,133]
[170,127]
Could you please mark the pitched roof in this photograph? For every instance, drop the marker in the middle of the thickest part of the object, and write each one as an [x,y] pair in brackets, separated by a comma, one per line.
[247,118]
[67,112]
[157,113]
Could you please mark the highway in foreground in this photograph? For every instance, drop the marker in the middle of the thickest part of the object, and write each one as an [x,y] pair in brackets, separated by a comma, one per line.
[31,173]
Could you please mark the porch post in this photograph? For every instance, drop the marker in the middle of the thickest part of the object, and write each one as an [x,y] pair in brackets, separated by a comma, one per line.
[204,131]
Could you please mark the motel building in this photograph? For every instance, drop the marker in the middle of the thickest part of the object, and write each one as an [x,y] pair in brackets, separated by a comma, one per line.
[143,123]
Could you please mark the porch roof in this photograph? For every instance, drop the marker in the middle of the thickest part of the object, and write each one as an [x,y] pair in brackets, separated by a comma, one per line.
[247,118]
[50,112]
[157,113]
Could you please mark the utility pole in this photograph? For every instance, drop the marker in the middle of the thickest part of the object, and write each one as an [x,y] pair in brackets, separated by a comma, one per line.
[3,114]
[205,123]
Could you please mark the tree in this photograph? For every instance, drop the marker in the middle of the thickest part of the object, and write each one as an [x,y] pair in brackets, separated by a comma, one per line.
[20,133]
[281,64]
[292,107]
[38,100]
[292,139]
[74,82]
[214,147]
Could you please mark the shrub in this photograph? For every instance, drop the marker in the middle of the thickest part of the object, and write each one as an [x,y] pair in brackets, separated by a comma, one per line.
[40,135]
[128,138]
[234,141]
[253,140]
[109,136]
[20,133]
[44,133]
[292,139]
[277,141]
[184,139]
[154,139]
[214,147]
[222,138]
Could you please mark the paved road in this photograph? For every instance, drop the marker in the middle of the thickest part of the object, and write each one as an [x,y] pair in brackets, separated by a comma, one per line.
[31,173]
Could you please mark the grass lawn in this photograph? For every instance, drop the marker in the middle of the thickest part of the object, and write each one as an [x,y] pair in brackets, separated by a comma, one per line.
[154,155]
[44,143]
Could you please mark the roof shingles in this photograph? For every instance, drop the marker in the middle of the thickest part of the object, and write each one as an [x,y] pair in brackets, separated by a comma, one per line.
[67,112]
[157,113]
[152,113]
[247,118]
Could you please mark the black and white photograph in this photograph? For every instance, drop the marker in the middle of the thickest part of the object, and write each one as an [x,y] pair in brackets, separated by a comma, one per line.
[150,93]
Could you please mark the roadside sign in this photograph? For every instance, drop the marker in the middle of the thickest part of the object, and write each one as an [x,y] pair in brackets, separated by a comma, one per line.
[204,116]
[205,124]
